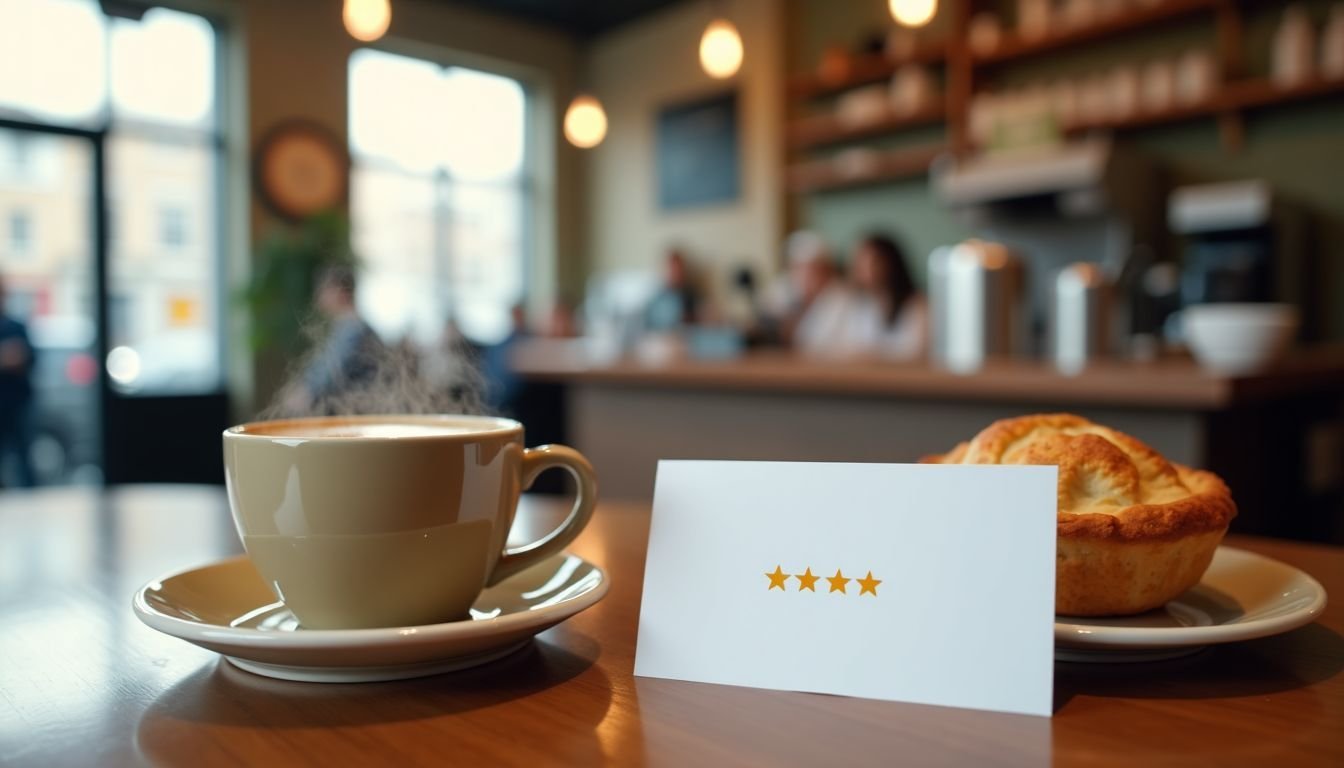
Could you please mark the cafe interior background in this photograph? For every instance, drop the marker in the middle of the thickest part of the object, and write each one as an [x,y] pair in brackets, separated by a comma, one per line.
[514,177]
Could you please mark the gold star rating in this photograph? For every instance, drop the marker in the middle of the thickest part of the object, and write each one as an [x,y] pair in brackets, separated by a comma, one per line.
[806,580]
[869,585]
[838,582]
[777,579]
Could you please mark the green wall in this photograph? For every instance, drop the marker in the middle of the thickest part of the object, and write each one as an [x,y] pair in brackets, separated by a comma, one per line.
[1298,148]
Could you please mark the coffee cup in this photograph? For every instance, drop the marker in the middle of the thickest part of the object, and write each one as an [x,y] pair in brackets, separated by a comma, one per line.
[378,521]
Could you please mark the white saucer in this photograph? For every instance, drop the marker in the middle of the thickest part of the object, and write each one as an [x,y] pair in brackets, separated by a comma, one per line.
[227,607]
[1242,596]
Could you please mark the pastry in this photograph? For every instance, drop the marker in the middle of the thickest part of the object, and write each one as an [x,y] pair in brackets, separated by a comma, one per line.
[1134,530]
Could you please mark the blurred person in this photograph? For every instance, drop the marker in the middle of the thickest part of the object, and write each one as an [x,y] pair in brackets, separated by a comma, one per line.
[502,384]
[810,273]
[16,396]
[561,322]
[677,302]
[347,358]
[879,313]
[743,310]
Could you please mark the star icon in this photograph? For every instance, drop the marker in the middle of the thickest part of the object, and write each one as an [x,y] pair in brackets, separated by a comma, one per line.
[869,585]
[838,582]
[806,580]
[777,579]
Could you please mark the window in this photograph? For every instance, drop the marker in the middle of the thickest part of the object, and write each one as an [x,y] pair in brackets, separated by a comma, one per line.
[19,154]
[20,234]
[172,227]
[165,144]
[150,85]
[440,195]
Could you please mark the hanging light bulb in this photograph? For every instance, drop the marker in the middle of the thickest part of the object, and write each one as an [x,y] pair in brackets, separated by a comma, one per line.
[721,49]
[367,20]
[913,13]
[585,122]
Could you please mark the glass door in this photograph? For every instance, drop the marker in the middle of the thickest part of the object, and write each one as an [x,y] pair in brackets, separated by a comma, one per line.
[49,386]
[116,111]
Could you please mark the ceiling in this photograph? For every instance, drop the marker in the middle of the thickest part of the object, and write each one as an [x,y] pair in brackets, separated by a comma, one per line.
[581,18]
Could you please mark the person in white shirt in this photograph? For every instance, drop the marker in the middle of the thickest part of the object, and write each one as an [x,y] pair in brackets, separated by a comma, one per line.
[879,313]
[811,271]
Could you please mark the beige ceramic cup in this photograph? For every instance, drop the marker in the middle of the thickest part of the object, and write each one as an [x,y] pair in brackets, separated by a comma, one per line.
[378,521]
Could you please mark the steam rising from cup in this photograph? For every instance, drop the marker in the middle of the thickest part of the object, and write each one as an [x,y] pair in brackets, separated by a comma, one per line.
[349,371]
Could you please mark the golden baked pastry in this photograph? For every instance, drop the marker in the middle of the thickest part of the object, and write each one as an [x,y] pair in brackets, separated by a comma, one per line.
[1134,530]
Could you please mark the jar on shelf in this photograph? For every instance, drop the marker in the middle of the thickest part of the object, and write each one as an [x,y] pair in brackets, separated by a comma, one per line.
[1158,87]
[1034,18]
[911,90]
[1123,87]
[1294,54]
[981,116]
[1194,77]
[1332,44]
[1079,13]
[836,65]
[901,44]
[1064,101]
[985,33]
[1094,99]
[861,106]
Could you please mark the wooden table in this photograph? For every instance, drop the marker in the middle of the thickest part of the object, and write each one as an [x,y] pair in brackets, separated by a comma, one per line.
[83,682]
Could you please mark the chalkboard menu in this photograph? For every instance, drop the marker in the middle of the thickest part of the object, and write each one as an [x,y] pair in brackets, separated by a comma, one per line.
[697,150]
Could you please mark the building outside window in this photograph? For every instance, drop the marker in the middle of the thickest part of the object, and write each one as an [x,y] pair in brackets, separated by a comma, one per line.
[20,234]
[172,227]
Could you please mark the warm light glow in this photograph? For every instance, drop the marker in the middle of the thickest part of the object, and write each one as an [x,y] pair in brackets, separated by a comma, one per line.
[585,122]
[913,13]
[721,49]
[367,20]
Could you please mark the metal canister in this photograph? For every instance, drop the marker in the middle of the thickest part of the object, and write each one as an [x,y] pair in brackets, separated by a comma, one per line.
[975,299]
[1080,317]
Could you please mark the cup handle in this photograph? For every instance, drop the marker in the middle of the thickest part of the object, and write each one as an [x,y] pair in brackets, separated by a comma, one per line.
[535,461]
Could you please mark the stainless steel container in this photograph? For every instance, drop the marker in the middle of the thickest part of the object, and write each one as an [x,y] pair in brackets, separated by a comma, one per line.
[1080,318]
[975,303]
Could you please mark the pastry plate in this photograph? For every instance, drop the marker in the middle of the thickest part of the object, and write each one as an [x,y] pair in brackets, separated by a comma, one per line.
[1242,596]
[228,608]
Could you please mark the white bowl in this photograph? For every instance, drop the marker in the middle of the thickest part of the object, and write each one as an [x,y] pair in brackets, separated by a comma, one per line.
[1236,339]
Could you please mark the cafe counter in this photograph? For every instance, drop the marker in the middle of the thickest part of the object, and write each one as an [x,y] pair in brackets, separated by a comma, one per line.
[1274,437]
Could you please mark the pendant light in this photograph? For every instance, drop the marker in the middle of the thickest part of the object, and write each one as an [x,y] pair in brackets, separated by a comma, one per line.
[367,20]
[721,49]
[585,122]
[913,13]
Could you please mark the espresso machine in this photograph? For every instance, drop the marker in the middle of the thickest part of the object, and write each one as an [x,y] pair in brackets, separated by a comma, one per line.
[1088,202]
[1240,242]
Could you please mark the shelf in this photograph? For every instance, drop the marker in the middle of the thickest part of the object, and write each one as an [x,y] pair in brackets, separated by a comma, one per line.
[1241,95]
[864,69]
[1251,94]
[876,168]
[1015,47]
[828,129]
[1143,119]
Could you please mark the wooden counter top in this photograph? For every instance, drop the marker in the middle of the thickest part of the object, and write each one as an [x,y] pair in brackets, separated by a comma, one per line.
[1168,384]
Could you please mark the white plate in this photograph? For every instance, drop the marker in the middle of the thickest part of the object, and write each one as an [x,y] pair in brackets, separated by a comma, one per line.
[227,607]
[1242,596]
